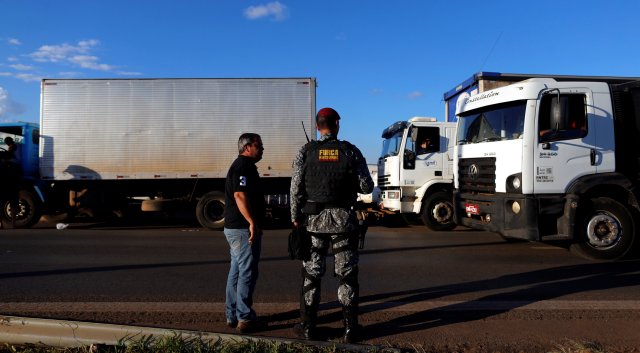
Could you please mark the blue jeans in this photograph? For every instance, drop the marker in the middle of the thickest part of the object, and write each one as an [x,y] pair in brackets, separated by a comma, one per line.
[243,274]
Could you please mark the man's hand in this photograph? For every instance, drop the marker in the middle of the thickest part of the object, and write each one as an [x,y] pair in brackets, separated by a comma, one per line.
[254,232]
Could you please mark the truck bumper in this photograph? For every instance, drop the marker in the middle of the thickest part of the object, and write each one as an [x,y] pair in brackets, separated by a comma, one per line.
[513,216]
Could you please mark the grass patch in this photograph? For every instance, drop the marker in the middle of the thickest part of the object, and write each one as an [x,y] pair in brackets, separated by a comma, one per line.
[178,344]
[571,346]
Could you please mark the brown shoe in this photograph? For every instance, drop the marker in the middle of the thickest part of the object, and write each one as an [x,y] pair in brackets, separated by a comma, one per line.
[250,326]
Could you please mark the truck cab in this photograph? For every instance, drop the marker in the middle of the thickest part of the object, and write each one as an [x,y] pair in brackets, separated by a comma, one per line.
[25,158]
[415,170]
[552,158]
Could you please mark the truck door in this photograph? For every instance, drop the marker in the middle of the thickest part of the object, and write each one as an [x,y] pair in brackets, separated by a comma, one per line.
[426,147]
[566,139]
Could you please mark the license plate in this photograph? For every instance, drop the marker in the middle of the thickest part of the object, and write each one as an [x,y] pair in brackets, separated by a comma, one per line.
[471,208]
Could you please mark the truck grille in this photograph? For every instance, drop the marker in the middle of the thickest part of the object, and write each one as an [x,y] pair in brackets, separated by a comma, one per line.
[477,175]
[383,180]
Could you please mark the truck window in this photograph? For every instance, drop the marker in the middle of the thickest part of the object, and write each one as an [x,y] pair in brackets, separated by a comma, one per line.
[492,123]
[428,140]
[391,144]
[570,124]
[35,137]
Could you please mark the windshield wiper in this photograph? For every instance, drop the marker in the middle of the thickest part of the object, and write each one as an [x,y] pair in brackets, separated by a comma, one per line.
[462,142]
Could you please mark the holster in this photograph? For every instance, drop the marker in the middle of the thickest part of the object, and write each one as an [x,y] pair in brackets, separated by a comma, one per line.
[312,208]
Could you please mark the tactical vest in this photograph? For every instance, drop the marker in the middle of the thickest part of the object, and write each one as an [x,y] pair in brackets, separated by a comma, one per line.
[330,175]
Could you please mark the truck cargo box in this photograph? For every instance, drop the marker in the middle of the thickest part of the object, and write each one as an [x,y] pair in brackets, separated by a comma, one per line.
[169,128]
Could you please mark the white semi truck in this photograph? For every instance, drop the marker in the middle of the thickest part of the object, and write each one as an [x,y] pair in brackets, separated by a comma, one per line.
[415,173]
[552,158]
[103,144]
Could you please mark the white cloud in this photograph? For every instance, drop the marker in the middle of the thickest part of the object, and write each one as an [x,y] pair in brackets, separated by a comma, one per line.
[341,36]
[12,59]
[275,10]
[28,77]
[8,108]
[89,62]
[21,67]
[415,94]
[69,74]
[14,41]
[78,55]
[129,73]
[62,52]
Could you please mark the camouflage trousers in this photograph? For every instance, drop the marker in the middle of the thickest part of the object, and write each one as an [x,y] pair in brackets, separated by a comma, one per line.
[345,250]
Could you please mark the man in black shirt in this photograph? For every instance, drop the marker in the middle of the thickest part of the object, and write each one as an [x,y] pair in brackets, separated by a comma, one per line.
[244,213]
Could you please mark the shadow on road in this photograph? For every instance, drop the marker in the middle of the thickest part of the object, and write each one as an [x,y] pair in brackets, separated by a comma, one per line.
[529,287]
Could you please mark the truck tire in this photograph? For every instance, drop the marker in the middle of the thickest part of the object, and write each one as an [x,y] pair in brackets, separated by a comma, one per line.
[437,211]
[210,210]
[28,213]
[605,230]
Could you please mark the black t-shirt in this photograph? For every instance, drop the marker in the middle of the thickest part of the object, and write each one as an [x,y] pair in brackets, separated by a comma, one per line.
[243,176]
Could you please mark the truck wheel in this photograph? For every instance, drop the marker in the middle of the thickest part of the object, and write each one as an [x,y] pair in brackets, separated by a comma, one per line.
[210,210]
[437,211]
[605,230]
[27,213]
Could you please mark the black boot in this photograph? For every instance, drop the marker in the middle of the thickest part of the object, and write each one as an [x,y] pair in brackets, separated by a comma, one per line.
[307,326]
[352,330]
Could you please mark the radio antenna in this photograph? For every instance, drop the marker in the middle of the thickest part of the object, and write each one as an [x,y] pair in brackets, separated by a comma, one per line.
[305,131]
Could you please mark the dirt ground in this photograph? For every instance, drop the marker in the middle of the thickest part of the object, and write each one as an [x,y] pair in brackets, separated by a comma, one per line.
[439,332]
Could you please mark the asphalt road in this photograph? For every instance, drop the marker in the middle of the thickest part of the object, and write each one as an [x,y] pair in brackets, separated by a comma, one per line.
[442,291]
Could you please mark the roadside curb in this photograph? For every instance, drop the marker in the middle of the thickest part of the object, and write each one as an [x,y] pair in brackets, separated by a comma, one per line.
[67,334]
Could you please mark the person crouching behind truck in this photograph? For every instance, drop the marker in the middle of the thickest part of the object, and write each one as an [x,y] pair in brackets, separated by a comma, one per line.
[244,216]
[327,175]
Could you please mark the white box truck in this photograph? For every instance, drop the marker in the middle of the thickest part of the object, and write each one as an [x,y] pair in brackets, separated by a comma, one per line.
[553,157]
[103,143]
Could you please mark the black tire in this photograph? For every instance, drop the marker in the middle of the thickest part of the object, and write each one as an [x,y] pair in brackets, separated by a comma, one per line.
[437,211]
[29,211]
[605,230]
[210,210]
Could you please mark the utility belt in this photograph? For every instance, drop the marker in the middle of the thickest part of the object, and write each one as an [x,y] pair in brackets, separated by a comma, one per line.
[314,208]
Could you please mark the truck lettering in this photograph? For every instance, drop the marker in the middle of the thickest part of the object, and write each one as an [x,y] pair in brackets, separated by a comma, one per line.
[483,96]
[548,154]
[544,174]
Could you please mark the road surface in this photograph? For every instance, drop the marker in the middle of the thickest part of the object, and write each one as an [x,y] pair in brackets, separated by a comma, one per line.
[443,291]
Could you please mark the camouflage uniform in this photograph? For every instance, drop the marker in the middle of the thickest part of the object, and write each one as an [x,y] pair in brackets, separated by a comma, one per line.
[332,226]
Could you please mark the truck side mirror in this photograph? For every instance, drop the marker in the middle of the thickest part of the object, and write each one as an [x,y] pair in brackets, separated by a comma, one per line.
[556,112]
[409,160]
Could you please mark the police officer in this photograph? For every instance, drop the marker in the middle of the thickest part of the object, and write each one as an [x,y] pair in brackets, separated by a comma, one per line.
[327,175]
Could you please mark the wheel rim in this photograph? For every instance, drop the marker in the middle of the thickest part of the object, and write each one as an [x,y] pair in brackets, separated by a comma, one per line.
[214,210]
[442,212]
[604,231]
[23,210]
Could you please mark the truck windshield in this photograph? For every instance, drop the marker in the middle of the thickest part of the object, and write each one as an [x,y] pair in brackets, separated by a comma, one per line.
[391,145]
[493,123]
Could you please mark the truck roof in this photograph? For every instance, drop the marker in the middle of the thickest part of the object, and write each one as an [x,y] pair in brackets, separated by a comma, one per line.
[510,77]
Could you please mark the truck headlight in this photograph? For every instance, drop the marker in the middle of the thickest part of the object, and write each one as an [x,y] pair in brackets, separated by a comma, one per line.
[515,207]
[393,195]
[514,183]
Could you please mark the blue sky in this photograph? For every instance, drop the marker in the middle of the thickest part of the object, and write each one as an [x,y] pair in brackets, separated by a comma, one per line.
[376,62]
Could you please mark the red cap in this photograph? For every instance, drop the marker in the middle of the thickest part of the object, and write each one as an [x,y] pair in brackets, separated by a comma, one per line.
[328,114]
